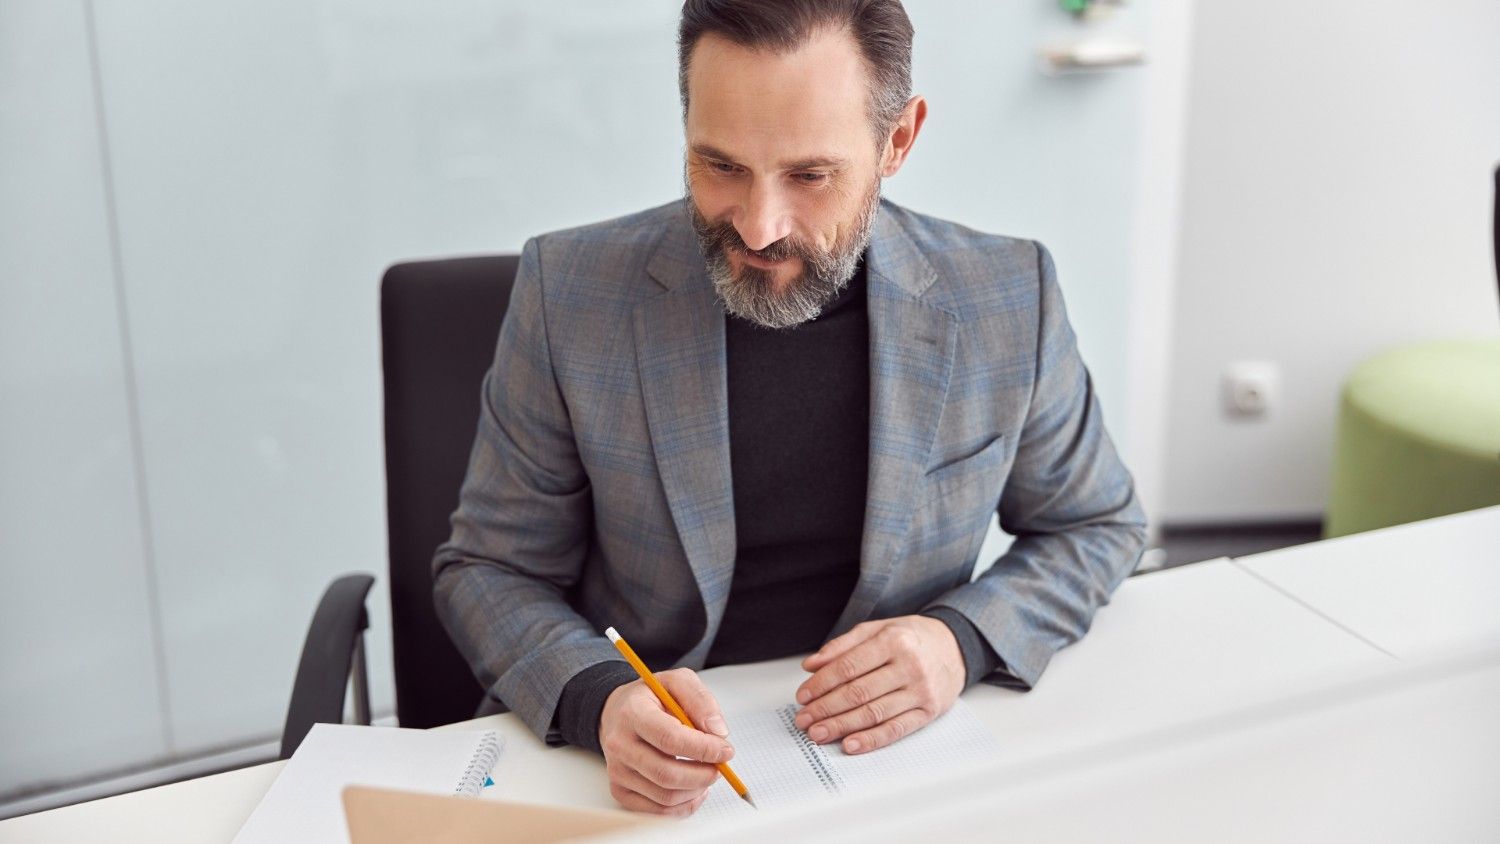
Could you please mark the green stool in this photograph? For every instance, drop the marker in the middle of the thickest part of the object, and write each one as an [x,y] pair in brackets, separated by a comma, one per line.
[1418,436]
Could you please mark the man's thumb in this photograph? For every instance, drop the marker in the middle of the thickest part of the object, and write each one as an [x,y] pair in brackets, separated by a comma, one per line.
[698,702]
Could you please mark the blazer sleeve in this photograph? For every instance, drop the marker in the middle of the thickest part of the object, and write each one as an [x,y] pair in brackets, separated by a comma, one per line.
[521,531]
[1069,502]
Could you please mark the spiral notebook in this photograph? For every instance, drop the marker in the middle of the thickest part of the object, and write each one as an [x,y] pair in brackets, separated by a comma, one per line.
[305,803]
[781,765]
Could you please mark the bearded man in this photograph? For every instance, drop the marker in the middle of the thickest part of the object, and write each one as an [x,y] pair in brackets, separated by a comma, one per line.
[774,418]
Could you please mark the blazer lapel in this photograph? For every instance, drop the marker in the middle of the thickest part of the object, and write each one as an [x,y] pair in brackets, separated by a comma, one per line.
[911,359]
[679,342]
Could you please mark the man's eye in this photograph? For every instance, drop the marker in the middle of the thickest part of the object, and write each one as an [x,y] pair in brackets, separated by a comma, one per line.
[812,178]
[722,167]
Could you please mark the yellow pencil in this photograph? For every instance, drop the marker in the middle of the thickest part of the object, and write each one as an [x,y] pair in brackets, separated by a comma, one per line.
[666,700]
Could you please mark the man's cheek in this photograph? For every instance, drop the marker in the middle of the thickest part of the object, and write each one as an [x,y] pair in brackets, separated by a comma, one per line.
[712,200]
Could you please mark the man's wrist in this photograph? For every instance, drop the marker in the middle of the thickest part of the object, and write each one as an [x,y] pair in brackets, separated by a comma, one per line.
[583,699]
[978,657]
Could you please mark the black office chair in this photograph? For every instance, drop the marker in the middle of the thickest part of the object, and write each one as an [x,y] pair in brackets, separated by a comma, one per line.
[439,321]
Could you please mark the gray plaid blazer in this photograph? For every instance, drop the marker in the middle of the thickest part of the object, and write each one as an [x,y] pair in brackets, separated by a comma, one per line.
[598,489]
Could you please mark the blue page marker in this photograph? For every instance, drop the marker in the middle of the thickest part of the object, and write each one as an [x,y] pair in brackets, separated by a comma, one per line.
[488,782]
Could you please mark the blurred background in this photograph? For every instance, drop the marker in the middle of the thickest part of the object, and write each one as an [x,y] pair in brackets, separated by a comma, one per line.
[197,202]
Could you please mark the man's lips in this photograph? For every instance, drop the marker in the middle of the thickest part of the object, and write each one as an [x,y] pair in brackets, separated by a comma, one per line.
[761,263]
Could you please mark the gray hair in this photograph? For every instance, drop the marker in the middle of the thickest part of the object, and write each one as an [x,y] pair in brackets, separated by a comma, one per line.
[880,28]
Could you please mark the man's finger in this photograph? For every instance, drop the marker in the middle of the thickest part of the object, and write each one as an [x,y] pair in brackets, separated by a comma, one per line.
[836,647]
[852,695]
[858,661]
[870,715]
[675,774]
[670,736]
[696,700]
[636,782]
[693,806]
[887,732]
[634,800]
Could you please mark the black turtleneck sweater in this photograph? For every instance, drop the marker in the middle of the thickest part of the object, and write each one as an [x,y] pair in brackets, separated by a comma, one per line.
[799,435]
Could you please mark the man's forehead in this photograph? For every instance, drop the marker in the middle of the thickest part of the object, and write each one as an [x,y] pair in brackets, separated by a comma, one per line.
[812,102]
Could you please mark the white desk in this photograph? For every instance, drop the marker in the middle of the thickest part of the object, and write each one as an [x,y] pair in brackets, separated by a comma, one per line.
[1408,755]
[1193,649]
[1423,589]
[1138,672]
[1175,647]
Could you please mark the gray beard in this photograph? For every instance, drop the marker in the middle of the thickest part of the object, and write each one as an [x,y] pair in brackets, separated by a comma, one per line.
[751,295]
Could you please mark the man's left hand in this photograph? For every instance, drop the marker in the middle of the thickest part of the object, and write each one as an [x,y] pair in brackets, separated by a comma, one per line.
[880,681]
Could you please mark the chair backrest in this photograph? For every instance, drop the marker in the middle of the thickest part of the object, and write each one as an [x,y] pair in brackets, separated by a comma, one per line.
[439,321]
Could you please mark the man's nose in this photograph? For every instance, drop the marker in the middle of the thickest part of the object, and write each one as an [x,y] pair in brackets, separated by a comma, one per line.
[763,218]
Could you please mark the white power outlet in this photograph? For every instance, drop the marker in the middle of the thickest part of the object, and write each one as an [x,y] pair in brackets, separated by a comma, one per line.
[1251,388]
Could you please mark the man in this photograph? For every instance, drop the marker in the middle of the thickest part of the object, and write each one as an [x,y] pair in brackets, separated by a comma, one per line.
[775,418]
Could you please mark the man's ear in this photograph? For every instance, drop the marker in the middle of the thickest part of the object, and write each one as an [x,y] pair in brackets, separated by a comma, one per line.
[903,135]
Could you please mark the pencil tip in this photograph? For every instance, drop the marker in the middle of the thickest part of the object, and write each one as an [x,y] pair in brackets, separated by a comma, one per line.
[751,802]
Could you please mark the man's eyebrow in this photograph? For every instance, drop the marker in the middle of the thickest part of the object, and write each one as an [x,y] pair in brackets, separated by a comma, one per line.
[814,163]
[710,151]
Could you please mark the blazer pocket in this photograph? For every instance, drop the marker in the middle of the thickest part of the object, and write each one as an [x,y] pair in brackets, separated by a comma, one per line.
[958,473]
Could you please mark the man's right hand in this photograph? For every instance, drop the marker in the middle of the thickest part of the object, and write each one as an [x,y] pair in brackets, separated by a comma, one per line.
[642,742]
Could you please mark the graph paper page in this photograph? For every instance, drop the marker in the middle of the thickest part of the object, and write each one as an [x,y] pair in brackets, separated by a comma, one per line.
[781,766]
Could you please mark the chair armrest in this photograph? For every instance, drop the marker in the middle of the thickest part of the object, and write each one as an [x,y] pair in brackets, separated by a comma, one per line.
[334,647]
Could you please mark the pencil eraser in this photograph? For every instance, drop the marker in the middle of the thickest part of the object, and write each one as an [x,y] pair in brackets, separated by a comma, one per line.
[613,636]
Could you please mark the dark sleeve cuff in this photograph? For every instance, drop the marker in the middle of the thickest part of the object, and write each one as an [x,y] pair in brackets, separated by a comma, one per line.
[583,698]
[979,658]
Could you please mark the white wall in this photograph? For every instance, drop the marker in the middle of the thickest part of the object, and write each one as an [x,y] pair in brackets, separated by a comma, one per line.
[1337,202]
[75,597]
[249,171]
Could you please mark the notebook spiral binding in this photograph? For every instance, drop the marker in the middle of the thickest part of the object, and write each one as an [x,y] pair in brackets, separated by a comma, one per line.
[480,764]
[811,751]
